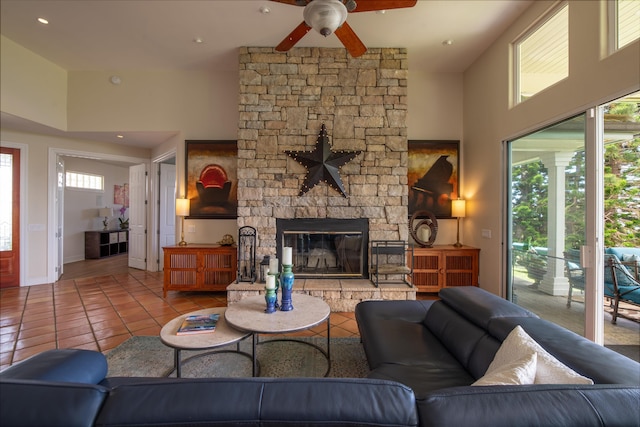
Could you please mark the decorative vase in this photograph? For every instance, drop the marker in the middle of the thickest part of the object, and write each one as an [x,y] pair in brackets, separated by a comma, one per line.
[124,225]
[270,298]
[287,285]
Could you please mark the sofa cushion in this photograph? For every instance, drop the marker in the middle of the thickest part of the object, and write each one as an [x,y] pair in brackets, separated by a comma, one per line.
[602,365]
[392,331]
[470,344]
[425,378]
[548,371]
[261,401]
[531,405]
[44,403]
[520,372]
[480,306]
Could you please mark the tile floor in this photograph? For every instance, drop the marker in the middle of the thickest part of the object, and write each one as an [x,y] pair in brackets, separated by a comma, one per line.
[101,312]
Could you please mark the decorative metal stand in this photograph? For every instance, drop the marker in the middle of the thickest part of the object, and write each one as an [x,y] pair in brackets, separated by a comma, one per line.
[246,254]
[287,286]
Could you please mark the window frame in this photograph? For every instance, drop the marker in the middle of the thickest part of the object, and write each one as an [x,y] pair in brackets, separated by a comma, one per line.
[516,54]
[83,174]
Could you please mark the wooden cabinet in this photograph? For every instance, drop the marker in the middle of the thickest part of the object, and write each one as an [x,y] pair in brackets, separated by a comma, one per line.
[444,266]
[199,267]
[100,244]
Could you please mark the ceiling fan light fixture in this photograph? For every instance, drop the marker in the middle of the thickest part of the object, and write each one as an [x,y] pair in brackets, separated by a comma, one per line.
[325,16]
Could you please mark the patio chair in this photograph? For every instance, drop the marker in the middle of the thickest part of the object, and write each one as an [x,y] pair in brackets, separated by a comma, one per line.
[575,273]
[619,285]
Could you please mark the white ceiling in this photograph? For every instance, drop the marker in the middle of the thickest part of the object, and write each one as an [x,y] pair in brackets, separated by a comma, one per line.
[159,34]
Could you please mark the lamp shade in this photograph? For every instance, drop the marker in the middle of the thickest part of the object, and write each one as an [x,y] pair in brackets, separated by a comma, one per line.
[458,208]
[182,207]
[325,16]
[105,212]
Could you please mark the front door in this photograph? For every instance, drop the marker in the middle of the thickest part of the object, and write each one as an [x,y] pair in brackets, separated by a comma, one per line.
[9,217]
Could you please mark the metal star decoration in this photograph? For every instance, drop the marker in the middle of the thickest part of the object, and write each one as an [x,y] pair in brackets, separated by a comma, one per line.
[323,164]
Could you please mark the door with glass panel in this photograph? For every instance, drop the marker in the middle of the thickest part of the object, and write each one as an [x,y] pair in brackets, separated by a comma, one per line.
[9,217]
[547,222]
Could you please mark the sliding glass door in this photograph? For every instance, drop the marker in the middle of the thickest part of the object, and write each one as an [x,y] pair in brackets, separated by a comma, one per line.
[574,190]
[547,222]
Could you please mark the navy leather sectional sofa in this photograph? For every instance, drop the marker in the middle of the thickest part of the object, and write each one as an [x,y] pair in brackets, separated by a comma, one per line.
[439,348]
[423,357]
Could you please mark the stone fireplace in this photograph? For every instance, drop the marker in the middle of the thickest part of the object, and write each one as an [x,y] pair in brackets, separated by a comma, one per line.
[325,248]
[284,99]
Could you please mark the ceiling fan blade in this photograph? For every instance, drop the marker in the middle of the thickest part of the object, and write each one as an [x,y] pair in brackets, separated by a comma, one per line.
[293,38]
[350,40]
[371,5]
[293,2]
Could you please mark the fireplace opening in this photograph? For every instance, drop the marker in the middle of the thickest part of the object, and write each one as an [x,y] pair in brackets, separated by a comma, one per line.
[329,248]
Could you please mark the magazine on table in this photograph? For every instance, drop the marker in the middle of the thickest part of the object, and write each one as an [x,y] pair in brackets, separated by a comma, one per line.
[198,324]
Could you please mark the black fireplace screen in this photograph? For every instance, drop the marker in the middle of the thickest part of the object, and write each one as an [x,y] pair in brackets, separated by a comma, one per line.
[325,247]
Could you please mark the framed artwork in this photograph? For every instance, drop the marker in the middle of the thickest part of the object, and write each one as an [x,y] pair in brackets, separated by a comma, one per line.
[121,195]
[433,176]
[212,179]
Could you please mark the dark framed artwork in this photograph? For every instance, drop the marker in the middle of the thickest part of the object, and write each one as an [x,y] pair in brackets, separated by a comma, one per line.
[433,176]
[212,179]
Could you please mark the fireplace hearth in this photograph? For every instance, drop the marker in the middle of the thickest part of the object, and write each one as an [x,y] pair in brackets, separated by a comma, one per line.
[325,248]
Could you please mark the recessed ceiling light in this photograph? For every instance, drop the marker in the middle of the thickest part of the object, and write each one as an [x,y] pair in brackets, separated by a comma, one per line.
[264,10]
[120,136]
[447,42]
[43,21]
[381,12]
[198,40]
[116,80]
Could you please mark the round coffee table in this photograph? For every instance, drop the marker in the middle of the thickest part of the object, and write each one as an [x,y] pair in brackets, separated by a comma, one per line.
[223,335]
[248,315]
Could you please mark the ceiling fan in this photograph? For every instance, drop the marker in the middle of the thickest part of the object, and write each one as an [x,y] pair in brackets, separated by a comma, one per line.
[330,16]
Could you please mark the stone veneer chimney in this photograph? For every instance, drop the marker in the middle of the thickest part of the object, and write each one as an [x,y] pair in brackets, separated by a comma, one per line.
[284,98]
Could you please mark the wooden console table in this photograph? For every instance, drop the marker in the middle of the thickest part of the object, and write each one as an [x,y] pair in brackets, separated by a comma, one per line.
[443,266]
[199,267]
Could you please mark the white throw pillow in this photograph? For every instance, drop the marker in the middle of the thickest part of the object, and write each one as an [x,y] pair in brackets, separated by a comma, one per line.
[522,371]
[549,370]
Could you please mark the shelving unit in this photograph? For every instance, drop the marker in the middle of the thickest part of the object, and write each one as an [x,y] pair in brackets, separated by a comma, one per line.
[199,267]
[100,244]
[445,266]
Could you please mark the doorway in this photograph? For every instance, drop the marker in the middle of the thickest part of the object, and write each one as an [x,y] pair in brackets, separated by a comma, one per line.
[10,217]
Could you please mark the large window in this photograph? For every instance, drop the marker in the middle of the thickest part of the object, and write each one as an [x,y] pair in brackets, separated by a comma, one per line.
[542,54]
[626,22]
[84,180]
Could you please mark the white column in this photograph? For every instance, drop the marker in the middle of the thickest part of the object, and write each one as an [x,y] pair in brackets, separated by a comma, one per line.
[554,281]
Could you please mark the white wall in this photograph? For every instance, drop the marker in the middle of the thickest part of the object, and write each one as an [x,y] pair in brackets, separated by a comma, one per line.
[490,119]
[81,206]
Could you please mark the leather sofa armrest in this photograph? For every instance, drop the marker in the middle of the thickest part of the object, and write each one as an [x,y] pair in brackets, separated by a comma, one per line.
[53,404]
[532,405]
[62,365]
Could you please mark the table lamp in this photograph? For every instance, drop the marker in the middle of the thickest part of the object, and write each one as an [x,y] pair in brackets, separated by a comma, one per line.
[105,213]
[458,210]
[182,210]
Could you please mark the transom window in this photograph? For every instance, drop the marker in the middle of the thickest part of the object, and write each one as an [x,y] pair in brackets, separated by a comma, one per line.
[542,54]
[626,22]
[84,180]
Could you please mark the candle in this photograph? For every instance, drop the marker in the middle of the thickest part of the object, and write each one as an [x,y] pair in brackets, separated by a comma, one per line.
[286,256]
[271,282]
[273,266]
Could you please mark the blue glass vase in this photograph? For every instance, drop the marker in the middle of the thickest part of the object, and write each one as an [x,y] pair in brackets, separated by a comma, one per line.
[286,283]
[270,297]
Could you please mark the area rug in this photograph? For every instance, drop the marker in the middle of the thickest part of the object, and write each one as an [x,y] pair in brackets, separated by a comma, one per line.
[149,357]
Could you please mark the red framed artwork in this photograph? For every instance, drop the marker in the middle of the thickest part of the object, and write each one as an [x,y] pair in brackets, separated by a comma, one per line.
[212,179]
